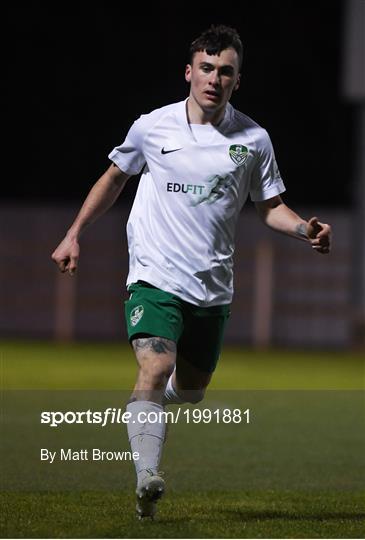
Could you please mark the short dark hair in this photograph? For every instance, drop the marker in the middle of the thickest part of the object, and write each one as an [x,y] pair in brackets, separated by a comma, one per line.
[215,39]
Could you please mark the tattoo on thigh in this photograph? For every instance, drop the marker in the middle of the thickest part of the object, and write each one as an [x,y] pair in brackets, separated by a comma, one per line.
[158,345]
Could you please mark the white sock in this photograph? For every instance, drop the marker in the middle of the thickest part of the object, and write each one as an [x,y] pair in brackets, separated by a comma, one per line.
[146,436]
[170,395]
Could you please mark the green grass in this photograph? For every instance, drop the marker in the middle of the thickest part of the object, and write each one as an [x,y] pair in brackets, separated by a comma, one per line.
[296,471]
[186,515]
[40,365]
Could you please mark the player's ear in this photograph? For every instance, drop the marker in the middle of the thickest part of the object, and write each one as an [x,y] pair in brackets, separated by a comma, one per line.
[238,82]
[188,73]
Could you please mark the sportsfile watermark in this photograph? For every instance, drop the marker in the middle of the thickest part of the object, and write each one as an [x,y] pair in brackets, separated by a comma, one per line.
[113,415]
[83,441]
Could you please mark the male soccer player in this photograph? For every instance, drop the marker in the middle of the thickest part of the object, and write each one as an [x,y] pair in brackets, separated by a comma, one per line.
[200,159]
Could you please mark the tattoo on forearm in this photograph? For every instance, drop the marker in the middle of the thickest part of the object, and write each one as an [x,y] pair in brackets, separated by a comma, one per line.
[301,230]
[156,344]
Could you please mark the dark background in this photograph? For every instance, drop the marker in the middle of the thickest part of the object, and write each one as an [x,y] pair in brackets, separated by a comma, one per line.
[79,76]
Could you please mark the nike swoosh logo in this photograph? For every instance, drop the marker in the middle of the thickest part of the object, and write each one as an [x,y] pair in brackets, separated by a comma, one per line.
[163,151]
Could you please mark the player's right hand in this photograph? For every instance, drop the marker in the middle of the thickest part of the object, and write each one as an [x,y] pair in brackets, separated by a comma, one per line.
[66,255]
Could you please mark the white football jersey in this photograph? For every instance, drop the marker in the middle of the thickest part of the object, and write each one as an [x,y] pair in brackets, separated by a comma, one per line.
[194,183]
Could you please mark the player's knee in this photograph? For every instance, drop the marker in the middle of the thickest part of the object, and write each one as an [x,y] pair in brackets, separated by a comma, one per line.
[157,372]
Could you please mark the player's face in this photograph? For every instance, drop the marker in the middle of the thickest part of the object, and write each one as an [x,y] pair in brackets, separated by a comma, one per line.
[213,78]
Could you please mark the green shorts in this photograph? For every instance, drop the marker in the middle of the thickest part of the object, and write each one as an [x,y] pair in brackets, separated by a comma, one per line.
[197,331]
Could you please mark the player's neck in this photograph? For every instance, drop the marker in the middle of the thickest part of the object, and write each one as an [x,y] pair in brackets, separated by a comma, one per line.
[197,115]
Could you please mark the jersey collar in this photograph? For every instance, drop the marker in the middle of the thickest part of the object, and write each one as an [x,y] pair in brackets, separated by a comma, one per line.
[183,119]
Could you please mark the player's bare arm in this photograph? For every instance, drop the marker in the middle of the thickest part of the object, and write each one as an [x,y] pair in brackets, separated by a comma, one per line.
[278,216]
[100,198]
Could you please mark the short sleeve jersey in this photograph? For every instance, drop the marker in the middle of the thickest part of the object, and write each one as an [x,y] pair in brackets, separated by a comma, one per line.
[182,224]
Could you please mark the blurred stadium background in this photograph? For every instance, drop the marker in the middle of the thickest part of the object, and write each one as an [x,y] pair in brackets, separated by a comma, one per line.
[285,294]
[75,78]
[67,115]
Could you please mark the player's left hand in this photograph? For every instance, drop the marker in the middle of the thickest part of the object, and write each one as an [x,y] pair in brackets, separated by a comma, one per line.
[319,235]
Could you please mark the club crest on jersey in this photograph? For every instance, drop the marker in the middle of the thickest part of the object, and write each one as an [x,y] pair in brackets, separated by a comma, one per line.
[136,315]
[238,153]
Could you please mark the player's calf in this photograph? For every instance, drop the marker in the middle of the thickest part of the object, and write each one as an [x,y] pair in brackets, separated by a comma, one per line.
[173,395]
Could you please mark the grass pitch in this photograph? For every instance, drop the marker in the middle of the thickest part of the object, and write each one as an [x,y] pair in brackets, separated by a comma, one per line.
[296,471]
[185,515]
